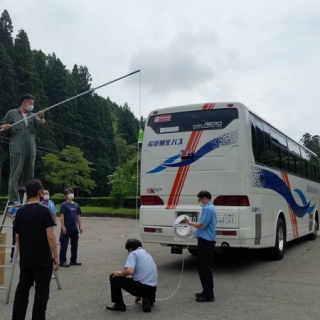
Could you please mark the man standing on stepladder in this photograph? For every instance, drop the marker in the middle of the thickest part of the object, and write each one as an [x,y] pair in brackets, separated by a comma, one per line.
[22,144]
[206,234]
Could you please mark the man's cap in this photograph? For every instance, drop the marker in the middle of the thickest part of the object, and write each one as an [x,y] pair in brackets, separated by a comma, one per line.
[26,96]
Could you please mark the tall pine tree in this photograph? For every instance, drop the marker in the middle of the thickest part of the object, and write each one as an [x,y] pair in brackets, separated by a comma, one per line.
[128,125]
[6,30]
[7,99]
[97,140]
[59,86]
[30,82]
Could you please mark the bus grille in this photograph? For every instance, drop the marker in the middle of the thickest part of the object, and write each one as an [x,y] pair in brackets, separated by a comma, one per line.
[258,229]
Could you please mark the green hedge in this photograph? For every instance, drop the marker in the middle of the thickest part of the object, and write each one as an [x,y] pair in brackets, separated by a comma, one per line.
[128,202]
[3,203]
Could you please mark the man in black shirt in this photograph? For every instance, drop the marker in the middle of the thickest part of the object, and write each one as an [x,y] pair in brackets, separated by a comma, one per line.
[37,247]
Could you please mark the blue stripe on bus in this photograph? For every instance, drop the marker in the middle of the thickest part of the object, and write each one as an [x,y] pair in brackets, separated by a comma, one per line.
[221,141]
[262,178]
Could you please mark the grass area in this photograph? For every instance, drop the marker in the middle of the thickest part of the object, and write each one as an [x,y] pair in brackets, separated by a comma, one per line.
[106,210]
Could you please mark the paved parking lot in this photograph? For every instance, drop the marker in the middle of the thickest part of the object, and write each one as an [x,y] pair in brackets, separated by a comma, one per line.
[247,284]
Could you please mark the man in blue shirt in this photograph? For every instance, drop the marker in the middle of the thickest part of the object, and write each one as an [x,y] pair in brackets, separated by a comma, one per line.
[70,217]
[11,213]
[49,203]
[143,281]
[206,234]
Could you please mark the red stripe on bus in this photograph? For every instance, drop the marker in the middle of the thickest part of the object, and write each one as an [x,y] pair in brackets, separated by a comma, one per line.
[295,223]
[193,146]
[293,217]
[183,171]
[284,179]
[294,230]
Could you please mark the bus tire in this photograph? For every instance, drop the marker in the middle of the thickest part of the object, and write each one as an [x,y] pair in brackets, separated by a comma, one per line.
[313,235]
[278,250]
[193,251]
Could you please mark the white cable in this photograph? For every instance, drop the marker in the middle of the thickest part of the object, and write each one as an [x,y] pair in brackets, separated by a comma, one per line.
[174,292]
[182,230]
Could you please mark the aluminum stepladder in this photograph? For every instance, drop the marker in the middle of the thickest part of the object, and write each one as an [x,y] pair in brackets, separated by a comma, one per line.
[23,200]
[11,266]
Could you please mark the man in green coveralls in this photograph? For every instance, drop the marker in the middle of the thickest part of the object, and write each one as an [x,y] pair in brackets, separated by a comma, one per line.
[22,144]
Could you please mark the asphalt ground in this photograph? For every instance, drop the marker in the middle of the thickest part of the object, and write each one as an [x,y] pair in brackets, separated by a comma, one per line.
[247,284]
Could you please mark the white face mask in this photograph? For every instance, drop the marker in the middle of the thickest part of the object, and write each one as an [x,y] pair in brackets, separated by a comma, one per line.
[30,107]
[46,197]
[70,196]
[202,204]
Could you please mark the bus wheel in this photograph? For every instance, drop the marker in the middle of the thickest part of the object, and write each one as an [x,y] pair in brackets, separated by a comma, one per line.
[313,235]
[193,251]
[280,245]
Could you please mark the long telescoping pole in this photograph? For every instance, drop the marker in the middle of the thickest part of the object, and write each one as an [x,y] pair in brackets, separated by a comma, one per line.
[78,95]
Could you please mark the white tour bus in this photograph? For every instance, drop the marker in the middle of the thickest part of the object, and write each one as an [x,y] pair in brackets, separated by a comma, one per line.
[264,185]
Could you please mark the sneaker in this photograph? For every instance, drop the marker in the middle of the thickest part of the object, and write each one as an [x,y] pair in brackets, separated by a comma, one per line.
[15,204]
[75,263]
[65,265]
[146,305]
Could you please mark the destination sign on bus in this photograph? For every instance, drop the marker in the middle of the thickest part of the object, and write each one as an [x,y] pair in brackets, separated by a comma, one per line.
[162,118]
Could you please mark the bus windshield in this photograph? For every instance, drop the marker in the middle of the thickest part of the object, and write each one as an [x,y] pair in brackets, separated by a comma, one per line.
[193,120]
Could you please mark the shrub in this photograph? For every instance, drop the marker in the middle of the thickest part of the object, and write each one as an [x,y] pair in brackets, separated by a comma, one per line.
[115,202]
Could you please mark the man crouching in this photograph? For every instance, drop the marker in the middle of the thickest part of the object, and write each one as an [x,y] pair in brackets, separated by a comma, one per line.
[143,281]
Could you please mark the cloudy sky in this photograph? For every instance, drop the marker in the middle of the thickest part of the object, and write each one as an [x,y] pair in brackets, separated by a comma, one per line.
[263,53]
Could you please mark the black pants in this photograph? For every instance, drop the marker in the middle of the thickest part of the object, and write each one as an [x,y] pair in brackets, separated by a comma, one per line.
[135,288]
[205,262]
[41,275]
[73,235]
[13,241]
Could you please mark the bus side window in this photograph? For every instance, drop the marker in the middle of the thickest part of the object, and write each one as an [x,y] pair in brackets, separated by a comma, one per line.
[260,140]
[279,146]
[304,168]
[310,171]
[298,169]
[314,172]
[309,166]
[294,154]
[267,138]
[272,148]
[253,137]
[315,168]
[307,163]
[276,157]
[284,159]
[268,155]
[292,163]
